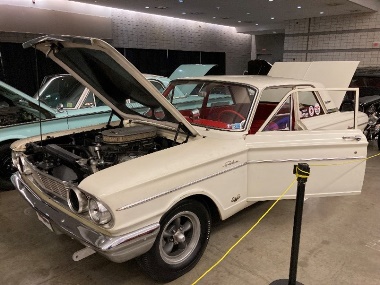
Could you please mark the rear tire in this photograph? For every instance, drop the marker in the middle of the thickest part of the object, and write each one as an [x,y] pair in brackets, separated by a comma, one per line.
[6,167]
[183,237]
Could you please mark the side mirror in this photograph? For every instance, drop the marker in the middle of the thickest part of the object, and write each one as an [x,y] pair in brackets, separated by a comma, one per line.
[60,108]
[195,114]
[202,94]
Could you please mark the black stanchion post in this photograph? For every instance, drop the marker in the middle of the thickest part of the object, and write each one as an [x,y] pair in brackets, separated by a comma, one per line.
[302,171]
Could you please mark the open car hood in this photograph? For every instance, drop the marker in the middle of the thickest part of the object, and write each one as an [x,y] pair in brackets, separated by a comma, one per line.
[191,70]
[10,93]
[101,68]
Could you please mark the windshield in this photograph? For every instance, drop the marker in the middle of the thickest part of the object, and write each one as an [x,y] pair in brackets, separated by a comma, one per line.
[65,90]
[15,109]
[216,105]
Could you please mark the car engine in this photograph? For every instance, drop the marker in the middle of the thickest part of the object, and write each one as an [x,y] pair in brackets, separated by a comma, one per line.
[12,115]
[72,158]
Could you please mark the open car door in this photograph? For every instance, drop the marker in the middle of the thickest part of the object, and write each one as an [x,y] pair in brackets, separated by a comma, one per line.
[336,160]
[336,156]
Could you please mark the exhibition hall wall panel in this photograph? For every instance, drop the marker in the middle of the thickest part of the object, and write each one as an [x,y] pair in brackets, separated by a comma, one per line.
[346,37]
[146,31]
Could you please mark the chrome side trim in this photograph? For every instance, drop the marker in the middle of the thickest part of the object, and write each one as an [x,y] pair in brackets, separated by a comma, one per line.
[305,159]
[128,206]
[177,188]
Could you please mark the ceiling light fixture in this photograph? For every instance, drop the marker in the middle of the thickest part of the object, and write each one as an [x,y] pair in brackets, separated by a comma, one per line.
[270,0]
[248,13]
[299,7]
[146,7]
[272,18]
[214,17]
[256,24]
[183,13]
[321,12]
[239,21]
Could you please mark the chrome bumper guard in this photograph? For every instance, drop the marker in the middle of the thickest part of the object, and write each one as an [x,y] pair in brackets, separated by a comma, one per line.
[115,248]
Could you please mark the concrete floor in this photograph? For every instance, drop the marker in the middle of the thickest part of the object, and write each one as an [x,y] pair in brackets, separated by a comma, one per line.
[340,244]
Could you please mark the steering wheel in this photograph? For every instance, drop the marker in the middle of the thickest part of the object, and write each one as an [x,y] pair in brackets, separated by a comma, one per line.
[230,111]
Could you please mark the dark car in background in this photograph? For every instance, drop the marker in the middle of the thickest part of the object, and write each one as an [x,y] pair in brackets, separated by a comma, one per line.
[367,79]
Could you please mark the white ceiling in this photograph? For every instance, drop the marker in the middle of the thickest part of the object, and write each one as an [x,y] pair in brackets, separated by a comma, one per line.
[250,16]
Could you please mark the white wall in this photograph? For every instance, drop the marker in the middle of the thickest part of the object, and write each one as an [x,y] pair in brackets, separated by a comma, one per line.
[347,37]
[130,30]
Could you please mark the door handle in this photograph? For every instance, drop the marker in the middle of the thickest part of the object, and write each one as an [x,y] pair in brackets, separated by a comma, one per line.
[356,138]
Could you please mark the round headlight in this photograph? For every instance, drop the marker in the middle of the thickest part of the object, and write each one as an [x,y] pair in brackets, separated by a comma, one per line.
[77,201]
[98,213]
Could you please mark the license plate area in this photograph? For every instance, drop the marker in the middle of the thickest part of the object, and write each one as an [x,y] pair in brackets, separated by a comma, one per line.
[45,221]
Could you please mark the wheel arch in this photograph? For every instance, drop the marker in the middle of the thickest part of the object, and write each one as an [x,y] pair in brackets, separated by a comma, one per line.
[208,202]
[9,141]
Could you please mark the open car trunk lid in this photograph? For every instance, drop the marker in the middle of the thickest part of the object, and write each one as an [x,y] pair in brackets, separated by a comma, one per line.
[107,73]
[332,74]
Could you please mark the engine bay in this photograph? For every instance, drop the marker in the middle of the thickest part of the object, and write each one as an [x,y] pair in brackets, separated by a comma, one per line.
[74,157]
[16,110]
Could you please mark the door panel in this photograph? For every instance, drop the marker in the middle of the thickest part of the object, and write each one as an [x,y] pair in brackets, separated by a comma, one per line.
[32,129]
[272,155]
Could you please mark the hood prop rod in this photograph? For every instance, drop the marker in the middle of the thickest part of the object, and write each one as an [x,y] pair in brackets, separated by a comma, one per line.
[38,95]
[182,126]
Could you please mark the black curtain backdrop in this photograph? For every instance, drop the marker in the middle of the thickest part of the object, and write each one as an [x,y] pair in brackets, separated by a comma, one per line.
[19,68]
[18,65]
[164,62]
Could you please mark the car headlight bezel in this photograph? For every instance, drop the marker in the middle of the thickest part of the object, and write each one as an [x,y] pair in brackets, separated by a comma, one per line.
[77,200]
[98,212]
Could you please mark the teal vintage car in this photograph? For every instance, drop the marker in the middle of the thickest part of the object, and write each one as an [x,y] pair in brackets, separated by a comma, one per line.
[22,116]
[63,104]
[65,92]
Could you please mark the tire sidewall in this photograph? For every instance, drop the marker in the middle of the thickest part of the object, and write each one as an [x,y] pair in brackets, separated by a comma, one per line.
[5,156]
[152,262]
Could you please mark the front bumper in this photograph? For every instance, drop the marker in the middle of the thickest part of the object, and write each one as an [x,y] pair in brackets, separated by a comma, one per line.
[115,248]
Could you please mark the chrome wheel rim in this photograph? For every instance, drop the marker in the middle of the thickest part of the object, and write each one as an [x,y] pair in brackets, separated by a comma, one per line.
[180,237]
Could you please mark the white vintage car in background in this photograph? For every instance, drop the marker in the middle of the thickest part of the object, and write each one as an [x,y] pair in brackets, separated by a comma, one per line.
[151,186]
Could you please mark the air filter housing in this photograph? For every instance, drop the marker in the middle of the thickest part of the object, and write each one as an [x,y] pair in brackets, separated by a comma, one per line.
[128,134]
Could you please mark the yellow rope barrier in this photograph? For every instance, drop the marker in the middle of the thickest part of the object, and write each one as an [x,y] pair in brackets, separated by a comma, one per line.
[306,175]
[259,220]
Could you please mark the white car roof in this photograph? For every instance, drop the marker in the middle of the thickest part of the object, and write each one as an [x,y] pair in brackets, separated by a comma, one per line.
[259,81]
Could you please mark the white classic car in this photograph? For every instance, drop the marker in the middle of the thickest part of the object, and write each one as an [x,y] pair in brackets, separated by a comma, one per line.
[151,186]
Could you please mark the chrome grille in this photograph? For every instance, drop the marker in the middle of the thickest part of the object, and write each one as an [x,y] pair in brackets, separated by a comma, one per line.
[49,184]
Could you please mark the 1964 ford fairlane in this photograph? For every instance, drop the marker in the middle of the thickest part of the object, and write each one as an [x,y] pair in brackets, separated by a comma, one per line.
[151,186]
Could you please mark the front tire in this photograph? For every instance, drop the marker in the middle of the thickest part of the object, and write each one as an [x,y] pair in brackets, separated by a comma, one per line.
[183,237]
[6,167]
